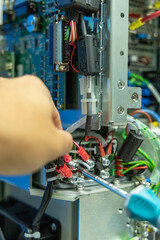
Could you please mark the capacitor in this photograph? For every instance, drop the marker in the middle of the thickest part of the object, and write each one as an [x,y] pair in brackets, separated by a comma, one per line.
[33,23]
[130,146]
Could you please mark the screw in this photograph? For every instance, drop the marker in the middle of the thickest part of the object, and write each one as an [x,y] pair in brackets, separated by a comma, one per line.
[104,174]
[53,227]
[60,106]
[121,53]
[135,97]
[80,187]
[122,15]
[121,84]
[120,110]
[120,210]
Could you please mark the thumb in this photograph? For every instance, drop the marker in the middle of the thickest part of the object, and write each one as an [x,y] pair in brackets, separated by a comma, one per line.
[64,143]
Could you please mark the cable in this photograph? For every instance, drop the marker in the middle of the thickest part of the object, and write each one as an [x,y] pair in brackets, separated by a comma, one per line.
[44,204]
[2,237]
[101,149]
[151,164]
[109,148]
[91,137]
[76,144]
[151,16]
[141,21]
[140,112]
[143,113]
[153,114]
[138,77]
[71,61]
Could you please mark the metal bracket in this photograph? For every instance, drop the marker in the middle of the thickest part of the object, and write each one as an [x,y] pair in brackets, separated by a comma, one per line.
[134,97]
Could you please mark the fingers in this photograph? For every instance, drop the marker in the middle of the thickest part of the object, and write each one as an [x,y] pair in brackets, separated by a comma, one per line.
[65,143]
[61,144]
[56,118]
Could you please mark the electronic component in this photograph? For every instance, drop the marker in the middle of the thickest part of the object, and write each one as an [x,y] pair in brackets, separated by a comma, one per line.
[61,47]
[130,146]
[88,55]
[80,5]
[33,24]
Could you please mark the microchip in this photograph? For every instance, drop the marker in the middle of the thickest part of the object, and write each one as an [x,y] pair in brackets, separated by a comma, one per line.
[43,57]
[46,46]
[47,33]
[25,45]
[36,42]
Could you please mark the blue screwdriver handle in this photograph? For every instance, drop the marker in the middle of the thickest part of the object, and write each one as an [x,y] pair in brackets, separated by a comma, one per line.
[143,205]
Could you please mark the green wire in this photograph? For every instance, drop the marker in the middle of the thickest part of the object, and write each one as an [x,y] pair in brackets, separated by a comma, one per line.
[136,165]
[130,168]
[135,82]
[141,162]
[155,188]
[67,34]
[144,154]
[140,78]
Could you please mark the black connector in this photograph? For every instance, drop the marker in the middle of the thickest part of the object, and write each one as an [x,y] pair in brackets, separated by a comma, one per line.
[84,6]
[130,146]
[88,55]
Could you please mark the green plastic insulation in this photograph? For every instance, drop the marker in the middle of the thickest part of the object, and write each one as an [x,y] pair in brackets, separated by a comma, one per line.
[155,142]
[140,78]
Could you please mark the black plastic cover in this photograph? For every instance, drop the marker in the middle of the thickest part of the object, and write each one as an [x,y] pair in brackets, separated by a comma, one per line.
[86,6]
[130,146]
[88,55]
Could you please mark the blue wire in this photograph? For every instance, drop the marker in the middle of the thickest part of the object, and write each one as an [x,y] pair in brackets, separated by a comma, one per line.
[105,185]
[153,114]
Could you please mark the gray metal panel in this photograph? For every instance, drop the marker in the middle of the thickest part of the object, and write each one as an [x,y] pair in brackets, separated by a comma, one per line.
[100,217]
[118,62]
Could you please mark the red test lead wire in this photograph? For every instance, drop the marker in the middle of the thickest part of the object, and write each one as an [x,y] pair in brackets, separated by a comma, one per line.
[101,149]
[151,16]
[83,154]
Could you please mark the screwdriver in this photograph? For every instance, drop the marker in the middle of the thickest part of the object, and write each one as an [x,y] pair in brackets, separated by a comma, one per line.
[141,203]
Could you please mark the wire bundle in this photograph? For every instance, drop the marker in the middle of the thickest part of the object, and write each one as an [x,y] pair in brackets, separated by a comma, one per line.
[71,35]
[71,38]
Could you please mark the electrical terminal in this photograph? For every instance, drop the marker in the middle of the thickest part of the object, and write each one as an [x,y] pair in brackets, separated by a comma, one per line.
[105,161]
[157,4]
[67,158]
[84,155]
[64,171]
[101,149]
[136,24]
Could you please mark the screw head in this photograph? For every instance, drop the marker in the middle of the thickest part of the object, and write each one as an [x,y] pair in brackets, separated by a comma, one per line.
[53,227]
[120,110]
[60,106]
[135,97]
[121,84]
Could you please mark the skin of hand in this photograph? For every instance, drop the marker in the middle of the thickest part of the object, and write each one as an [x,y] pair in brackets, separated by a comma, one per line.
[31,133]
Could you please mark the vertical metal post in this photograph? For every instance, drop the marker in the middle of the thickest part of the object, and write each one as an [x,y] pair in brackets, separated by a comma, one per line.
[114,85]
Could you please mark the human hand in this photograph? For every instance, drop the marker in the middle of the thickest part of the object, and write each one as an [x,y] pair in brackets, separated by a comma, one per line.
[31,133]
